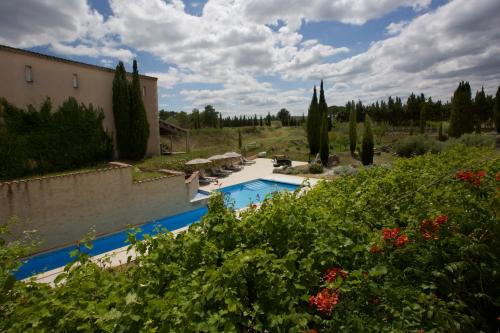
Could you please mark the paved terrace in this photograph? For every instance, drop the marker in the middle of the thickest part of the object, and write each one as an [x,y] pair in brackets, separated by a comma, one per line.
[263,168]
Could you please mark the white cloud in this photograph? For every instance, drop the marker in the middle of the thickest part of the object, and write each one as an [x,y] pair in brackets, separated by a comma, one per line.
[431,54]
[352,12]
[67,27]
[232,43]
[395,27]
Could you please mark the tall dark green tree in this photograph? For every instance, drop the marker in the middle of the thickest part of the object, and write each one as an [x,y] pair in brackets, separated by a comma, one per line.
[461,118]
[424,111]
[139,126]
[367,143]
[481,109]
[240,141]
[496,111]
[121,110]
[353,136]
[324,142]
[313,125]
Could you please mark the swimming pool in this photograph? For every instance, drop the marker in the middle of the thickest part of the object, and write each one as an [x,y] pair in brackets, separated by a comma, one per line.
[47,261]
[241,195]
[254,191]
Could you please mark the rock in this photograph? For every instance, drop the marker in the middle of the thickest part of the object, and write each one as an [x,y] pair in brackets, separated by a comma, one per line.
[262,154]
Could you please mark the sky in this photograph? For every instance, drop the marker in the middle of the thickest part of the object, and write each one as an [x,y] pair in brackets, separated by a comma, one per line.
[258,56]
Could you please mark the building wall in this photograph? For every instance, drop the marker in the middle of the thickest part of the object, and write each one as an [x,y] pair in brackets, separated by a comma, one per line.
[63,209]
[53,77]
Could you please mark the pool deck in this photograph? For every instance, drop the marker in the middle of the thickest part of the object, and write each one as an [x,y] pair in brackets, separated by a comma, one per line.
[263,169]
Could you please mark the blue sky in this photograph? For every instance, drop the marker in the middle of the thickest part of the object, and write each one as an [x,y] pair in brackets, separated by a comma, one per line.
[255,56]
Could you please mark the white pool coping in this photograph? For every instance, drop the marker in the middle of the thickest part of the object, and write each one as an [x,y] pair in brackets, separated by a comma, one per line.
[262,169]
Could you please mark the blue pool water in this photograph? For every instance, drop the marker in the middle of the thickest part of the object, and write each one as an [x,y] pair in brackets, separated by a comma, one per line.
[49,260]
[245,194]
[241,195]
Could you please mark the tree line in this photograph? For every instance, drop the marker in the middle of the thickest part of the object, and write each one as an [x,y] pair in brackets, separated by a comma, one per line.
[210,118]
[418,109]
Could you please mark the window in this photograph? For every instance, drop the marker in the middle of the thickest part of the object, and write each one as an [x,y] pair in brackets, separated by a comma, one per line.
[143,91]
[75,80]
[28,75]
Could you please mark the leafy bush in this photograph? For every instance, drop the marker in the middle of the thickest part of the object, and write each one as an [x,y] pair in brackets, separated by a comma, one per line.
[315,168]
[407,249]
[417,145]
[40,141]
[344,170]
[472,140]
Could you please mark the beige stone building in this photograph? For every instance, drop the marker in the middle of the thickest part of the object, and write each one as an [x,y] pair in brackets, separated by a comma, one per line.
[28,78]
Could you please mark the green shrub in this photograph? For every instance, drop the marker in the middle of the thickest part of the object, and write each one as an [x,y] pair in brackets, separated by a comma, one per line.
[258,273]
[315,168]
[417,145]
[472,140]
[40,141]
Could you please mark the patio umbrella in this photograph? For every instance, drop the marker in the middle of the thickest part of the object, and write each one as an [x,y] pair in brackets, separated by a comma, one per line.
[198,161]
[217,157]
[232,154]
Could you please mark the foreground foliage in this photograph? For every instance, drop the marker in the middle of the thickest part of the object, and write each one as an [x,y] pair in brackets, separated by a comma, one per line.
[412,248]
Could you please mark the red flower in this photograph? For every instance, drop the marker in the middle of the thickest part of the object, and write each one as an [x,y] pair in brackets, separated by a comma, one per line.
[390,233]
[401,241]
[471,177]
[430,229]
[325,300]
[498,176]
[331,274]
[441,219]
[313,331]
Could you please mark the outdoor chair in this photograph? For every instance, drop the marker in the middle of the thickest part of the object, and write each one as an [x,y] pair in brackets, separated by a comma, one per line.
[245,161]
[216,173]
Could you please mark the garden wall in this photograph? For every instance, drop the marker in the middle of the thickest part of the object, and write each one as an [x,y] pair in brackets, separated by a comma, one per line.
[64,208]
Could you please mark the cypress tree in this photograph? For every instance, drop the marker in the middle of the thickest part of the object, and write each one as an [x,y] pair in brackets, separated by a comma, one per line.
[139,126]
[496,111]
[480,109]
[324,141]
[312,125]
[461,120]
[121,110]
[352,130]
[423,117]
[367,143]
[240,141]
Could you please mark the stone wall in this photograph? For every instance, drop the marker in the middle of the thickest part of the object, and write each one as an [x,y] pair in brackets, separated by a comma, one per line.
[64,208]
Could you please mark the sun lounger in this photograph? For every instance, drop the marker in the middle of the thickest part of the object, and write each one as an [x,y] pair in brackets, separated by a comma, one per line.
[219,169]
[216,173]
[204,181]
[205,177]
[245,161]
[235,167]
